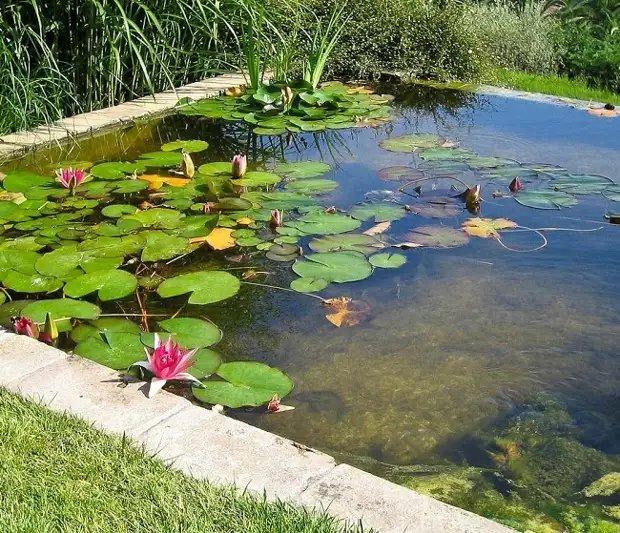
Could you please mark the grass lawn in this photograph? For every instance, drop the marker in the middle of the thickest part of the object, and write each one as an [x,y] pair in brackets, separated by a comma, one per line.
[58,474]
[554,85]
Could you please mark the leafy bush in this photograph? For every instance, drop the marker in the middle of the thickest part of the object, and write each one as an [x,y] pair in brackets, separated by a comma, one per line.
[420,38]
[521,39]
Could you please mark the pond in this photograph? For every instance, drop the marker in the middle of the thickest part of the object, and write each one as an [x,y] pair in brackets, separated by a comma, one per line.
[485,374]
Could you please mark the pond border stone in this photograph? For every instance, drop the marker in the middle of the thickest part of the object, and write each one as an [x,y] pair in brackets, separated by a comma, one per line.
[208,445]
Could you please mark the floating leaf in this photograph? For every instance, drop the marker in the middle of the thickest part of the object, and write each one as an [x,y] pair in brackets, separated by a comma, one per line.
[306,285]
[30,283]
[279,199]
[257,179]
[312,186]
[161,159]
[302,169]
[22,261]
[129,186]
[381,212]
[582,183]
[437,237]
[158,218]
[220,239]
[612,193]
[487,227]
[435,209]
[110,284]
[187,332]
[268,131]
[160,246]
[320,223]
[545,199]
[116,170]
[218,168]
[156,181]
[61,309]
[23,181]
[114,349]
[365,244]
[411,143]
[442,154]
[231,204]
[206,287]
[346,311]
[247,384]
[118,210]
[400,173]
[378,229]
[206,363]
[94,328]
[339,267]
[187,146]
[198,225]
[387,260]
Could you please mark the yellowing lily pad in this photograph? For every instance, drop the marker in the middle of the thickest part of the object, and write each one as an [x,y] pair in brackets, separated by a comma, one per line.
[487,227]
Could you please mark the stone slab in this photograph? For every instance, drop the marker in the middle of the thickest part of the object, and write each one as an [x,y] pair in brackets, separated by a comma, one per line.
[21,355]
[79,386]
[205,444]
[354,495]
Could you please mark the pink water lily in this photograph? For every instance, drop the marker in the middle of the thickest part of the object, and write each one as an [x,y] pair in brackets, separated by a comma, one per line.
[25,326]
[239,166]
[71,178]
[167,362]
[276,218]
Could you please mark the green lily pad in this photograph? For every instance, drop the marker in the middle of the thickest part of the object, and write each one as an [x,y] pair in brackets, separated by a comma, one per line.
[268,131]
[161,159]
[302,169]
[381,212]
[248,241]
[114,349]
[399,173]
[442,168]
[187,333]
[257,179]
[109,284]
[442,154]
[61,309]
[23,181]
[247,384]
[411,143]
[116,170]
[198,225]
[231,204]
[545,199]
[186,146]
[612,193]
[312,186]
[33,283]
[306,285]
[436,208]
[267,94]
[160,246]
[206,287]
[339,267]
[279,199]
[387,260]
[96,327]
[218,168]
[321,223]
[206,363]
[437,237]
[22,261]
[582,183]
[118,210]
[365,244]
[158,218]
[129,186]
[508,173]
[484,162]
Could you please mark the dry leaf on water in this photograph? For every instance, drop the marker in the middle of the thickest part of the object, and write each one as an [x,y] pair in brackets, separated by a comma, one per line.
[487,227]
[218,239]
[245,221]
[157,181]
[378,229]
[346,311]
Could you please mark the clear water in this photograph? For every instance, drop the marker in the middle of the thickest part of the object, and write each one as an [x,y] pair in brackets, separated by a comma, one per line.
[458,340]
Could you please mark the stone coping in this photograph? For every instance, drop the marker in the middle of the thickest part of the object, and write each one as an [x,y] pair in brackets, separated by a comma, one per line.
[205,444]
[16,144]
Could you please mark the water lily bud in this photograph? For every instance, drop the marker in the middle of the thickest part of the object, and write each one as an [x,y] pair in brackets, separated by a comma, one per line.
[188,165]
[50,331]
[515,185]
[472,195]
[274,404]
[206,209]
[276,218]
[239,166]
[25,326]
[287,96]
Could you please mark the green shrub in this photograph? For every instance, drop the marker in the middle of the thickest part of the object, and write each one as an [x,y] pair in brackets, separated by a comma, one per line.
[518,40]
[418,37]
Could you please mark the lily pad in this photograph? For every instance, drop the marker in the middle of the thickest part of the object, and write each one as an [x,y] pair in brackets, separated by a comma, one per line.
[443,154]
[437,237]
[22,261]
[187,332]
[399,173]
[545,199]
[411,143]
[159,246]
[61,309]
[365,244]
[186,146]
[206,287]
[129,186]
[435,209]
[387,260]
[218,168]
[114,349]
[582,183]
[257,179]
[381,212]
[339,267]
[22,181]
[312,186]
[278,199]
[116,170]
[161,159]
[612,193]
[94,328]
[33,283]
[320,223]
[109,284]
[302,169]
[247,384]
[158,218]
[306,285]
[118,210]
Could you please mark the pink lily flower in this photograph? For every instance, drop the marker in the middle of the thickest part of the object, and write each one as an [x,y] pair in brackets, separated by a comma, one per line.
[515,185]
[239,166]
[276,218]
[71,178]
[25,326]
[167,362]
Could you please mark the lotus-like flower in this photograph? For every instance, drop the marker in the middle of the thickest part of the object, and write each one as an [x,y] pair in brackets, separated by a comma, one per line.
[287,97]
[167,362]
[71,178]
[25,326]
[50,331]
[515,185]
[239,166]
[188,165]
[276,218]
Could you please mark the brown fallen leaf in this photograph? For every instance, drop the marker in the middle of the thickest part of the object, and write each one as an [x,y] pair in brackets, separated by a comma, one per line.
[15,197]
[378,229]
[407,245]
[347,312]
[487,227]
[221,239]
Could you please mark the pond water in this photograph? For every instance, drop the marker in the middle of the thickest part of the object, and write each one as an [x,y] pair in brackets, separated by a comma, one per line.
[485,376]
